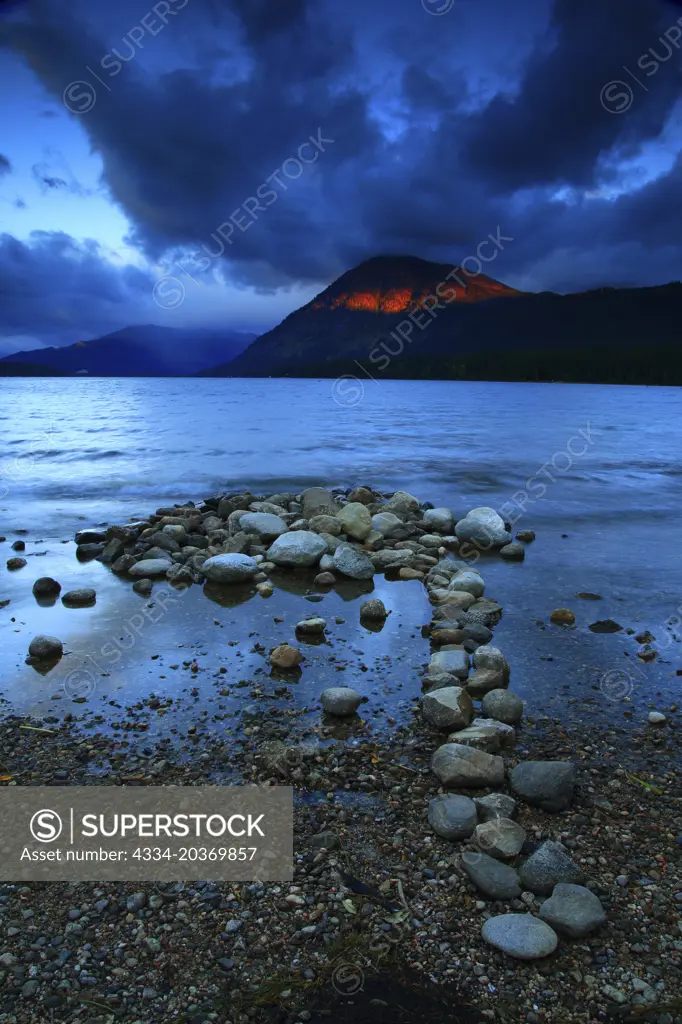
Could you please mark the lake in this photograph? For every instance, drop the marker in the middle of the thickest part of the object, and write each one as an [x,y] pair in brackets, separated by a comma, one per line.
[594,470]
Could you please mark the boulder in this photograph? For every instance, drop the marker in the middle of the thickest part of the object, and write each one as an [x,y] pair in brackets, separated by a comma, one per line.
[389,558]
[513,552]
[143,587]
[546,867]
[451,663]
[491,659]
[573,910]
[231,568]
[300,548]
[90,537]
[495,805]
[353,563]
[264,524]
[403,503]
[151,567]
[482,681]
[483,527]
[317,501]
[363,495]
[285,657]
[468,581]
[355,520]
[373,609]
[545,784]
[457,765]
[494,879]
[73,598]
[503,706]
[325,579]
[385,523]
[500,838]
[325,524]
[46,587]
[340,700]
[315,625]
[485,734]
[452,817]
[45,648]
[439,519]
[562,617]
[447,708]
[520,936]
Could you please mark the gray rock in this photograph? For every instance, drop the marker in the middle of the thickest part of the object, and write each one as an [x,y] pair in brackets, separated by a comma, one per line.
[149,555]
[545,784]
[484,680]
[77,597]
[353,563]
[389,558]
[573,910]
[513,552]
[494,879]
[386,523]
[452,817]
[503,706]
[449,707]
[495,805]
[450,663]
[315,501]
[325,579]
[113,550]
[491,659]
[468,581]
[84,551]
[457,765]
[46,587]
[521,936]
[314,625]
[143,587]
[403,503]
[657,718]
[501,838]
[90,537]
[483,527]
[266,525]
[485,734]
[44,648]
[439,519]
[546,867]
[340,700]
[231,568]
[325,524]
[327,565]
[355,520]
[300,548]
[373,609]
[151,567]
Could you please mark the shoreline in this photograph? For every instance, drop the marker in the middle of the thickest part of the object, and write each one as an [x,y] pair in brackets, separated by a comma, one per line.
[381,766]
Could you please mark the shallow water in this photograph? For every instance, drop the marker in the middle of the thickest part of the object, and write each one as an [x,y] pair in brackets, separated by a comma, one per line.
[86,452]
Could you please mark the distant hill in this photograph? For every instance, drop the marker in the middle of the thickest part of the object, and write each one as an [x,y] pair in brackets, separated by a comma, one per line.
[12,369]
[488,331]
[145,351]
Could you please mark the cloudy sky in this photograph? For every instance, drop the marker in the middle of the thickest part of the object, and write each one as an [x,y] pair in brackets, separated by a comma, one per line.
[218,162]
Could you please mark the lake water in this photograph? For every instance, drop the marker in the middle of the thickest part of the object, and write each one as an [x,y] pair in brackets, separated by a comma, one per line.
[79,452]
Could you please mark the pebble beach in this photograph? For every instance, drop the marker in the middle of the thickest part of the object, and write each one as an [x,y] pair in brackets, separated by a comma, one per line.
[519,869]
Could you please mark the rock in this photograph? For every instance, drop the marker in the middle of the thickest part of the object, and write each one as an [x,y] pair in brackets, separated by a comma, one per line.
[340,700]
[151,567]
[355,520]
[326,524]
[451,600]
[526,536]
[546,867]
[503,706]
[483,527]
[573,910]
[285,657]
[112,550]
[495,805]
[605,626]
[266,525]
[405,573]
[90,537]
[452,817]
[79,597]
[392,559]
[521,936]
[316,501]
[265,588]
[300,548]
[656,718]
[494,879]
[482,681]
[468,581]
[545,784]
[386,522]
[46,587]
[513,552]
[353,563]
[448,708]
[451,663]
[485,734]
[501,838]
[86,551]
[325,579]
[491,659]
[314,625]
[180,574]
[373,609]
[439,519]
[16,563]
[44,648]
[143,587]
[327,565]
[403,503]
[457,765]
[230,568]
[19,545]
[562,617]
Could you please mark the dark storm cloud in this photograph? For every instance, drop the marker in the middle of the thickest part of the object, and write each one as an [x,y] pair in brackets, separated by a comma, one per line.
[58,290]
[431,169]
[5,166]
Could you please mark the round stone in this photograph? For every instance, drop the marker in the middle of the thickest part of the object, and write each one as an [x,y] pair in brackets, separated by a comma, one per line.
[503,706]
[79,597]
[453,817]
[46,587]
[285,657]
[500,837]
[521,936]
[42,648]
[230,568]
[340,700]
[562,617]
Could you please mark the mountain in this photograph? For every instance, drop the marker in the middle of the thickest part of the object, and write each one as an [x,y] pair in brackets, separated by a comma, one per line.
[363,305]
[487,331]
[12,369]
[146,351]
